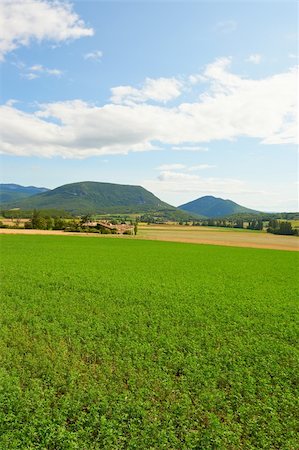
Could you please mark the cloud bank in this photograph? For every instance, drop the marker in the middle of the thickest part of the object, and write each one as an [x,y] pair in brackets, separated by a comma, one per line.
[22,22]
[141,119]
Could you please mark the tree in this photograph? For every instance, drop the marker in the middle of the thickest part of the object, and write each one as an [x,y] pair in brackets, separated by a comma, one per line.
[273,224]
[286,228]
[283,227]
[135,228]
[49,223]
[59,223]
[260,225]
[35,219]
[86,218]
[239,223]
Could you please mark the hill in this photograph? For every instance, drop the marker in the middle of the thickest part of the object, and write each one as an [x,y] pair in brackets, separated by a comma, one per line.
[101,198]
[210,206]
[14,192]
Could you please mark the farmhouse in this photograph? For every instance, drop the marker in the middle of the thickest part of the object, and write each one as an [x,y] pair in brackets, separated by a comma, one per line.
[119,228]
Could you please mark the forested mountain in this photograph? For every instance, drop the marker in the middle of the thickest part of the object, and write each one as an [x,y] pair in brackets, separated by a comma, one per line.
[95,197]
[13,192]
[210,206]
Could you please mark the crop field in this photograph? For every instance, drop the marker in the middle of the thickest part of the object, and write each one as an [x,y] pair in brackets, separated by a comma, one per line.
[132,344]
[196,235]
[218,236]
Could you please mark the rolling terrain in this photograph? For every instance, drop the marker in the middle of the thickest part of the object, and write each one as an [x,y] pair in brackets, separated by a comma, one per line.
[211,207]
[94,197]
[10,193]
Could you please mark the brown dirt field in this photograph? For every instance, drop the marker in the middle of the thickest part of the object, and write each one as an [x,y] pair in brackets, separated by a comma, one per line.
[227,237]
[190,235]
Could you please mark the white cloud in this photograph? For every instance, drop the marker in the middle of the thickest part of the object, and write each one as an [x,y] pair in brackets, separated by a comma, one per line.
[195,79]
[175,177]
[183,167]
[171,167]
[255,58]
[189,148]
[159,90]
[231,107]
[177,189]
[170,183]
[29,76]
[22,22]
[37,70]
[94,56]
[226,26]
[200,167]
[54,72]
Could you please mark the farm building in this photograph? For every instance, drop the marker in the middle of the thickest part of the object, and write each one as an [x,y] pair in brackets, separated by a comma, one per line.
[119,228]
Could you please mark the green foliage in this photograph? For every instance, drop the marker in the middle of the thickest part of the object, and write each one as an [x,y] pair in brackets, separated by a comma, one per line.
[284,228]
[212,207]
[167,215]
[101,198]
[135,228]
[59,223]
[104,230]
[128,232]
[239,223]
[264,216]
[27,214]
[3,225]
[15,192]
[92,197]
[255,225]
[129,344]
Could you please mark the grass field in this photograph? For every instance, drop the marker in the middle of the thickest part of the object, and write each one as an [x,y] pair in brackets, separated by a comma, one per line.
[131,344]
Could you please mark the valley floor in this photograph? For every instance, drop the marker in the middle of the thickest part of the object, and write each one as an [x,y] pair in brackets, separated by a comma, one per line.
[189,234]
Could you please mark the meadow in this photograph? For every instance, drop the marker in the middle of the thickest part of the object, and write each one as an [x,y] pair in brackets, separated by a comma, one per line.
[132,344]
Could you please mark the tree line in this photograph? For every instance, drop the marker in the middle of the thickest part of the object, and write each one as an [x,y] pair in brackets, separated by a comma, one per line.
[282,227]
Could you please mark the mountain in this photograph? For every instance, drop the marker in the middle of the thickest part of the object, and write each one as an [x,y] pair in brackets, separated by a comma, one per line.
[210,206]
[94,197]
[14,192]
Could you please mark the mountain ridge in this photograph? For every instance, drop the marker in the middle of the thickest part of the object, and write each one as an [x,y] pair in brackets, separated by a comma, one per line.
[96,197]
[10,192]
[211,207]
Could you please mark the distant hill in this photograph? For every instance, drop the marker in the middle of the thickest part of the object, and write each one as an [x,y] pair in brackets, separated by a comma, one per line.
[14,192]
[210,206]
[101,198]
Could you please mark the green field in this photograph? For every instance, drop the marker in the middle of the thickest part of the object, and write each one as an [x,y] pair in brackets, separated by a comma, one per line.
[123,344]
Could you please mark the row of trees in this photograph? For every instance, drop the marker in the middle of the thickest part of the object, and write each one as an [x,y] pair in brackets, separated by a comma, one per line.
[274,226]
[237,223]
[283,227]
[40,222]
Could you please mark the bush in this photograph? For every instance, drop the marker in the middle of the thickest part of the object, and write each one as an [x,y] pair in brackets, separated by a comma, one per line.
[3,225]
[105,231]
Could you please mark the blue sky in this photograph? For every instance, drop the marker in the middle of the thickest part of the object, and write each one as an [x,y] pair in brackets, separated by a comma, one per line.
[184,98]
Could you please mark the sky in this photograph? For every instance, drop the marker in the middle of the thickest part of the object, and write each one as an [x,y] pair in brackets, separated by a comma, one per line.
[183,98]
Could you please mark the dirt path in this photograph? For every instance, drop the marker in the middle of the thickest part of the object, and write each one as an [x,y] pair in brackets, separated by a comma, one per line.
[198,236]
